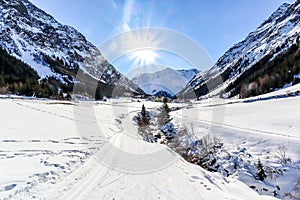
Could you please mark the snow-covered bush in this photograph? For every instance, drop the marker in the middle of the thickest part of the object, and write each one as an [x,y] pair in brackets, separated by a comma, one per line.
[198,151]
[163,117]
[280,154]
[168,130]
[266,176]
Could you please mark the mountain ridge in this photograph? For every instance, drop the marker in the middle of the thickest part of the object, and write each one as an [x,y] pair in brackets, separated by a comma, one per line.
[52,49]
[273,37]
[165,82]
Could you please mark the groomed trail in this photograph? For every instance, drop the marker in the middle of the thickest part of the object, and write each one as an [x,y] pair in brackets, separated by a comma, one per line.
[125,167]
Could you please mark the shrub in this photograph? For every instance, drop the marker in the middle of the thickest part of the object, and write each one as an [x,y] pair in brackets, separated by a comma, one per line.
[280,154]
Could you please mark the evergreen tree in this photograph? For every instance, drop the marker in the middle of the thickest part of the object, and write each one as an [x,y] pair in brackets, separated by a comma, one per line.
[68,97]
[143,111]
[164,116]
[144,118]
[2,80]
[260,175]
[60,96]
[98,94]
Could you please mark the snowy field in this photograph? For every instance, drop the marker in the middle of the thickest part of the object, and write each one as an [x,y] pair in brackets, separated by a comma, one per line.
[91,150]
[252,131]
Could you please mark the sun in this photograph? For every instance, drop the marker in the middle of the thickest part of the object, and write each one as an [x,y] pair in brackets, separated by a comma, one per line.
[143,57]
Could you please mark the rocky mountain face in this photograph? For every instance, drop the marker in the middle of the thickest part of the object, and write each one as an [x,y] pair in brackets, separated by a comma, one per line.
[238,69]
[54,50]
[166,82]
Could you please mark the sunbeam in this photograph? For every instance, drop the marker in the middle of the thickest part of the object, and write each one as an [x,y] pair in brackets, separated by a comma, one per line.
[143,57]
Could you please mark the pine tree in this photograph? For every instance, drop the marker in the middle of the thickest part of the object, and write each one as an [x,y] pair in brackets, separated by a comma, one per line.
[143,120]
[165,106]
[260,175]
[98,94]
[2,80]
[164,116]
[69,97]
[143,111]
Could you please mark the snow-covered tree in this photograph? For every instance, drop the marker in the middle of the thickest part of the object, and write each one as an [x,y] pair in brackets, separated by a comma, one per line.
[143,111]
[260,175]
[164,116]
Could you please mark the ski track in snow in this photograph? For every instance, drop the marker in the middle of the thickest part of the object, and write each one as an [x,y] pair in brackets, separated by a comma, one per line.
[91,179]
[242,129]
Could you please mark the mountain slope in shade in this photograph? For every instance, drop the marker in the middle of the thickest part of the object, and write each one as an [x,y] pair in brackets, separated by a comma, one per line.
[167,81]
[53,49]
[272,38]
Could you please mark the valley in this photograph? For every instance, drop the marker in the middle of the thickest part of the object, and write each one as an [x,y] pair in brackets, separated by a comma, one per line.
[86,174]
[74,126]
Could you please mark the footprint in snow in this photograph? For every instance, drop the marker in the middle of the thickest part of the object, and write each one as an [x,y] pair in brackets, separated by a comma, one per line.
[10,141]
[10,157]
[195,177]
[35,141]
[53,141]
[8,187]
[69,142]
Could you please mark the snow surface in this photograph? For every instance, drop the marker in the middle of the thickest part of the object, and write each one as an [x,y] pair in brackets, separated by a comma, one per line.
[44,155]
[252,129]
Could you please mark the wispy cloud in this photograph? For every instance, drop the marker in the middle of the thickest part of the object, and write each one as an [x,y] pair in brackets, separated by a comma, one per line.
[127,14]
[114,4]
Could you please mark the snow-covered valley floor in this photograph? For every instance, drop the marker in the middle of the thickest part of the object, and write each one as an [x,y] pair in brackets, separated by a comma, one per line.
[265,130]
[92,150]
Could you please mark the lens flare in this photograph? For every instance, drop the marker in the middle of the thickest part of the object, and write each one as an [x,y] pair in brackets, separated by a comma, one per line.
[143,57]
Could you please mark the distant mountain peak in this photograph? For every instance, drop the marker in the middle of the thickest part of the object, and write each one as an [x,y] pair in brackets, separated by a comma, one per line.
[166,81]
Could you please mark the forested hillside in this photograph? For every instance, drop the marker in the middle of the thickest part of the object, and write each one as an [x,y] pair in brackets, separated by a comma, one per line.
[266,76]
[18,78]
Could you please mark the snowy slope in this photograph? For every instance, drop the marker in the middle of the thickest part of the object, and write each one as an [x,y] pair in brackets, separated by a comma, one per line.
[49,160]
[275,35]
[251,131]
[168,80]
[30,34]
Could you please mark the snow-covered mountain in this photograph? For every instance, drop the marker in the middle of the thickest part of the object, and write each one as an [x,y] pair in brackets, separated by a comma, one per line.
[166,82]
[272,38]
[53,49]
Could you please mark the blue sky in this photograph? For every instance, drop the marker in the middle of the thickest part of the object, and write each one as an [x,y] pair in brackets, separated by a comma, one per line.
[214,24]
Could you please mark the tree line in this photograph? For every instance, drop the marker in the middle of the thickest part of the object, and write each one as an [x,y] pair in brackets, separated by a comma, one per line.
[16,77]
[265,76]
